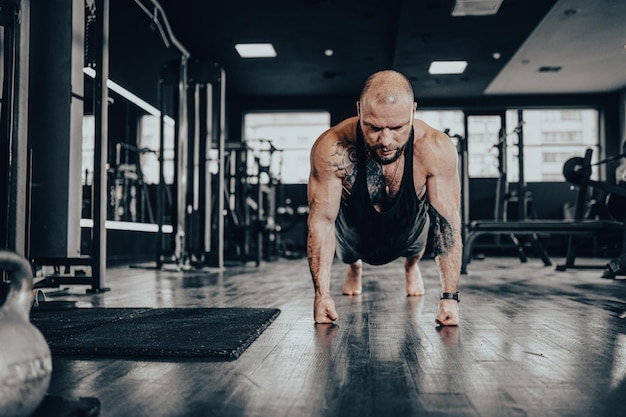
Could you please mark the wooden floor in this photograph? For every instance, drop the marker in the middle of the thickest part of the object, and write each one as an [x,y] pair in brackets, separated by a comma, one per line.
[532,342]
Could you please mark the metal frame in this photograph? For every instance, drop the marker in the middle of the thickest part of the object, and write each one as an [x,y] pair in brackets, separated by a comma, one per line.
[15,111]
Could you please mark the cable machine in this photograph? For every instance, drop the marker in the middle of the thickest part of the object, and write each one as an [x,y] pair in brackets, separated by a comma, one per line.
[15,38]
[55,134]
[249,193]
[197,89]
[521,196]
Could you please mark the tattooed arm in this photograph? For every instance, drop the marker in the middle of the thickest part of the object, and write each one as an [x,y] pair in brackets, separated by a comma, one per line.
[331,162]
[443,188]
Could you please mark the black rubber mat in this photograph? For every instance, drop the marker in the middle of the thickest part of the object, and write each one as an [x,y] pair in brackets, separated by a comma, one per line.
[54,406]
[153,332]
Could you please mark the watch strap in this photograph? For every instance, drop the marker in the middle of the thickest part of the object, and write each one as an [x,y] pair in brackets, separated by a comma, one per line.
[451,296]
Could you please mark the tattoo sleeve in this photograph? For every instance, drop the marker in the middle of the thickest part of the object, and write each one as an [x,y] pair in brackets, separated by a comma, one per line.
[343,160]
[443,233]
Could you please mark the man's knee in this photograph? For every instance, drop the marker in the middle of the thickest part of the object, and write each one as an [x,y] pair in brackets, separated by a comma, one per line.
[413,259]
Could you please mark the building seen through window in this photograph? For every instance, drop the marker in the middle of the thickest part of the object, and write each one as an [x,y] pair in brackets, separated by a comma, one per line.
[282,141]
[550,138]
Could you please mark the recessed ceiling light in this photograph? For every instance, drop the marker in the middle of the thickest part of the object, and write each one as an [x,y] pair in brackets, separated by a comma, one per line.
[447,67]
[571,12]
[476,7]
[255,50]
[550,68]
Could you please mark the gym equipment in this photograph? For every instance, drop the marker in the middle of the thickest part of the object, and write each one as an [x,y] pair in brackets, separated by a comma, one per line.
[209,332]
[616,204]
[14,115]
[129,197]
[250,195]
[46,209]
[501,225]
[25,362]
[198,88]
[531,227]
[616,266]
[577,171]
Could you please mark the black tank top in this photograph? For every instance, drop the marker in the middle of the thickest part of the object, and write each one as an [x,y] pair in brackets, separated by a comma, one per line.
[381,237]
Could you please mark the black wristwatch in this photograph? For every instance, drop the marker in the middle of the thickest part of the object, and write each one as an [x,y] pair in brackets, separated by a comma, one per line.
[451,296]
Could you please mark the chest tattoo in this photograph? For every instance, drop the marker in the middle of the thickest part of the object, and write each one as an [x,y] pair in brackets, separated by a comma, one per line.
[375,182]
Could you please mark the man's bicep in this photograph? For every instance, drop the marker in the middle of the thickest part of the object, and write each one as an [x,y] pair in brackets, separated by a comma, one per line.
[444,198]
[443,184]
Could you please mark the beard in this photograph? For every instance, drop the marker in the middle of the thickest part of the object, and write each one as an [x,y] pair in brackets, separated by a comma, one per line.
[385,161]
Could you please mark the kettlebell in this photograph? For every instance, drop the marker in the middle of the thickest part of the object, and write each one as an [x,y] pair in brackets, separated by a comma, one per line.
[25,360]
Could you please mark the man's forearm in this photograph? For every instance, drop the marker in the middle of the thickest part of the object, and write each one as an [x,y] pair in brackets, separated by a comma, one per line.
[449,269]
[447,248]
[320,253]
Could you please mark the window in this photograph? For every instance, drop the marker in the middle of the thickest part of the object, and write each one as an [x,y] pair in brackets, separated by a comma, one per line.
[282,142]
[551,137]
[484,132]
[89,138]
[449,121]
[148,142]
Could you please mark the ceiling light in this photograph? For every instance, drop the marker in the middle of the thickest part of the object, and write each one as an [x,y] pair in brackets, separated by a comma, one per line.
[571,12]
[329,52]
[476,7]
[550,68]
[255,50]
[447,67]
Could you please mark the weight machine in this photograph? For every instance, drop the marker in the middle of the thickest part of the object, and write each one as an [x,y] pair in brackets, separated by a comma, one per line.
[129,197]
[505,196]
[577,171]
[14,77]
[55,134]
[250,192]
[196,90]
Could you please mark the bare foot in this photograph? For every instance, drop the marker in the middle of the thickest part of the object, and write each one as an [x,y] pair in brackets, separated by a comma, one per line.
[352,284]
[414,282]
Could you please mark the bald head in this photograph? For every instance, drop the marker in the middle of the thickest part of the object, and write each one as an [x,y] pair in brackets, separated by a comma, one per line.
[387,87]
[386,113]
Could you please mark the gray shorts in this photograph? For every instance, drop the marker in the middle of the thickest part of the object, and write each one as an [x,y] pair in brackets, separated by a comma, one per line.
[415,247]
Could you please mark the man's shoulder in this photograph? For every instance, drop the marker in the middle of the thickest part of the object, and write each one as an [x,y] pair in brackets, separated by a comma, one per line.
[424,130]
[335,150]
[433,147]
[428,136]
[343,133]
[346,129]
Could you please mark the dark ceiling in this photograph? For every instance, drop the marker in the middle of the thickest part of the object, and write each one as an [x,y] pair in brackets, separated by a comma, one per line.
[366,36]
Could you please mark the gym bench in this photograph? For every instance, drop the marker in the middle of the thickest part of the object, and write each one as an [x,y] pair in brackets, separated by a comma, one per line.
[531,228]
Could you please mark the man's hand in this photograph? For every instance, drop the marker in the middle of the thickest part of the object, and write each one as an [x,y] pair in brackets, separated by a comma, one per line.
[324,309]
[448,313]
